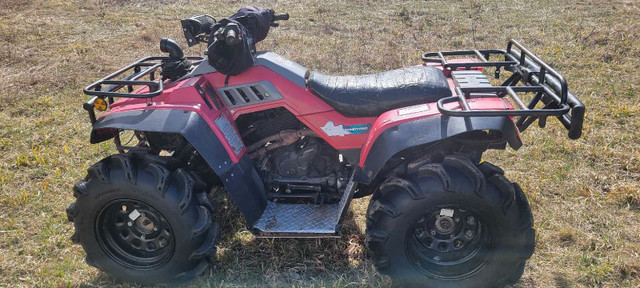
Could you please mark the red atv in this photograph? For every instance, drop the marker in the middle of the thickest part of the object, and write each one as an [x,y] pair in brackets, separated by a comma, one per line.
[293,146]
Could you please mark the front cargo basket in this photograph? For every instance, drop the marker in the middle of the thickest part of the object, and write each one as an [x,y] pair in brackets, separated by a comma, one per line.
[110,86]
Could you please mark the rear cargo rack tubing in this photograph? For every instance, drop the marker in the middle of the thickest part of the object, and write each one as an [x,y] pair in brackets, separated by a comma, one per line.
[524,110]
[572,122]
[542,67]
[482,55]
[532,104]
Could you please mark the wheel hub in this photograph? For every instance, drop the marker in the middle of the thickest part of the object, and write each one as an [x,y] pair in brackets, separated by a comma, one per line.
[445,224]
[447,236]
[134,234]
[447,229]
[145,225]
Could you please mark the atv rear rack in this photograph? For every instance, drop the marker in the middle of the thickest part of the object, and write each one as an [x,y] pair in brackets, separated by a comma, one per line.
[535,75]
[141,68]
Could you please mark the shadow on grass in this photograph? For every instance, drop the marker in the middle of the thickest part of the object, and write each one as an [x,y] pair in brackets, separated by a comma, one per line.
[243,260]
[247,261]
[561,280]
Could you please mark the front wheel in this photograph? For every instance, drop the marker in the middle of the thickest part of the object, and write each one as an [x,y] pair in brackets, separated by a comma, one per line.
[140,222]
[450,224]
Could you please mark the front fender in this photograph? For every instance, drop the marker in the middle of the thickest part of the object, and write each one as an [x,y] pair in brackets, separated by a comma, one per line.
[187,123]
[240,178]
[427,130]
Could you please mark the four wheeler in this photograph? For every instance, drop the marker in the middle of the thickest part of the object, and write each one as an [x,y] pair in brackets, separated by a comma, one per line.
[293,147]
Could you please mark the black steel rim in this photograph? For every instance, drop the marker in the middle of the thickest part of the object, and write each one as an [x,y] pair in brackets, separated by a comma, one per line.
[134,234]
[449,243]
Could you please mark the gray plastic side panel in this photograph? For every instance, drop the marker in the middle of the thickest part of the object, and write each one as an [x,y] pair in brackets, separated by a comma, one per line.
[201,69]
[286,68]
[266,89]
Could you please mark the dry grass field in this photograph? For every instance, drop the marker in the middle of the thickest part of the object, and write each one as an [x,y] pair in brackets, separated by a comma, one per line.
[585,194]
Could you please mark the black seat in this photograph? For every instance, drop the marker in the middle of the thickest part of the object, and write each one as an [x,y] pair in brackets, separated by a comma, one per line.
[373,94]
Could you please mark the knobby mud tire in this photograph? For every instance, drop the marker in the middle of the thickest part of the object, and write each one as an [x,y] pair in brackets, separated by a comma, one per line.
[178,196]
[457,182]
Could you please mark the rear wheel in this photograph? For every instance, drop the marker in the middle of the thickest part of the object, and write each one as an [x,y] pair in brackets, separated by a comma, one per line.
[140,222]
[450,224]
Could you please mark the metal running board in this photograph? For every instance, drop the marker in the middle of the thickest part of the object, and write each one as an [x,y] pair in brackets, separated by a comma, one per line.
[282,220]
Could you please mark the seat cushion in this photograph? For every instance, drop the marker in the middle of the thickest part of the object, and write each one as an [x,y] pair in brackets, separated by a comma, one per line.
[373,94]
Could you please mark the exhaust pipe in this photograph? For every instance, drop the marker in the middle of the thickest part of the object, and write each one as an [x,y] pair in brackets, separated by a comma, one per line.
[169,46]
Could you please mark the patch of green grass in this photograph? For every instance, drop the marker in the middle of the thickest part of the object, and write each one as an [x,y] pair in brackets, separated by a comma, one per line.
[583,193]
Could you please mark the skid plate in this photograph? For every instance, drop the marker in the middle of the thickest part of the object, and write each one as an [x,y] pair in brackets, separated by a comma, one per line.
[282,220]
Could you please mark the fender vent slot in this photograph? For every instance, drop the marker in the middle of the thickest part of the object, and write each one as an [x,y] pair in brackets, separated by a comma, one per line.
[244,96]
[228,94]
[249,94]
[214,97]
[255,91]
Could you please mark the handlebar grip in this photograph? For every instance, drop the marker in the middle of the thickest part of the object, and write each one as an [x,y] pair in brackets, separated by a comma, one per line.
[231,37]
[197,26]
[280,17]
[205,21]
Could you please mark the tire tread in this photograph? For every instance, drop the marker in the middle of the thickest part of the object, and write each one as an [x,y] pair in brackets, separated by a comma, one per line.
[437,171]
[383,208]
[179,189]
[467,167]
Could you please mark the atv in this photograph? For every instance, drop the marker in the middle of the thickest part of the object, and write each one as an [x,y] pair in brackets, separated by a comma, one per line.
[292,147]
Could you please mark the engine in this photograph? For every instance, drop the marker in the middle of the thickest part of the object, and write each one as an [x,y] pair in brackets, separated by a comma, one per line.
[295,164]
[308,170]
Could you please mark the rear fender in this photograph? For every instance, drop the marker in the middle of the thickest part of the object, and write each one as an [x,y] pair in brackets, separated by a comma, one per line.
[391,135]
[240,178]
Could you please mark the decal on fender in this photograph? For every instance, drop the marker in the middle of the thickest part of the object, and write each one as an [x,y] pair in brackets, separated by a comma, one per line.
[340,130]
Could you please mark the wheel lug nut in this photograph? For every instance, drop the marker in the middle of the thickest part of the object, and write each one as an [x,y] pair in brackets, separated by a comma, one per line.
[433,232]
[452,236]
[129,224]
[469,234]
[457,243]
[471,220]
[428,241]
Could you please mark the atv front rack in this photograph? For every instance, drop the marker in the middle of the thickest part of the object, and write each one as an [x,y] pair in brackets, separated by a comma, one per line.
[110,86]
[534,75]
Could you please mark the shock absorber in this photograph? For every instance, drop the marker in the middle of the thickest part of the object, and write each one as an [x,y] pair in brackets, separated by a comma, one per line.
[184,153]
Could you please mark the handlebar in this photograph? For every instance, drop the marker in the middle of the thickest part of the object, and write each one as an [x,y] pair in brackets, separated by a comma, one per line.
[280,17]
[195,27]
[231,34]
